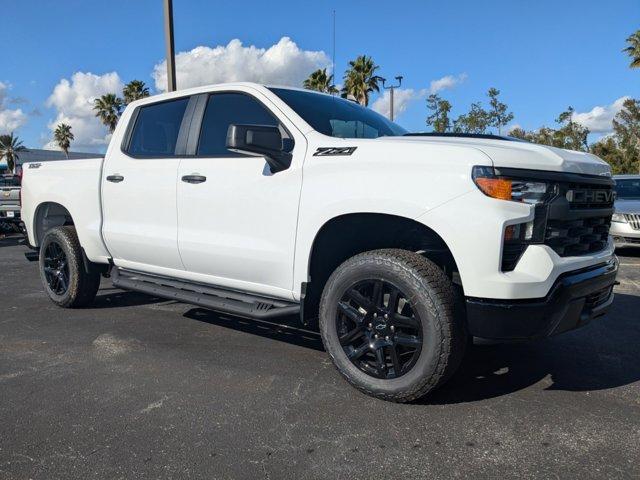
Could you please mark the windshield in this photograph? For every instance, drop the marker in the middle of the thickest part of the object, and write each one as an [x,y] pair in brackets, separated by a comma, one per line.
[337,117]
[628,188]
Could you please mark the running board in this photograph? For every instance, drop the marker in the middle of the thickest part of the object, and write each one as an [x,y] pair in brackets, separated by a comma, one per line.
[214,298]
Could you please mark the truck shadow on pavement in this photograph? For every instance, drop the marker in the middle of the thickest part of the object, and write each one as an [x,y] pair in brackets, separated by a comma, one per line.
[11,240]
[110,297]
[284,329]
[601,355]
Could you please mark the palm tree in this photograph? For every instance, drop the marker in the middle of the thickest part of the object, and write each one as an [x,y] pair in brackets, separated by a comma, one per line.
[10,145]
[108,108]
[320,82]
[360,80]
[134,90]
[63,137]
[633,50]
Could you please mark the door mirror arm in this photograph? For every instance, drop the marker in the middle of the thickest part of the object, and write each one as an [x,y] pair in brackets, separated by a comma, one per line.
[264,140]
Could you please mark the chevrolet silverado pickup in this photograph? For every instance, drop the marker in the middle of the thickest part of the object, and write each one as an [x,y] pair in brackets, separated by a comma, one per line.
[264,201]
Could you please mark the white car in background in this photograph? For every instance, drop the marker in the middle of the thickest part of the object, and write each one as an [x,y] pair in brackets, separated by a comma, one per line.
[625,223]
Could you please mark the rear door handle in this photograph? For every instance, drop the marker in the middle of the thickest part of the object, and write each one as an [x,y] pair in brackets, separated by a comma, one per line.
[194,178]
[115,178]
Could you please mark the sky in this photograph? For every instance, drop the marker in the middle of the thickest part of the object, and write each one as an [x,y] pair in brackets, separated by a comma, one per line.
[543,56]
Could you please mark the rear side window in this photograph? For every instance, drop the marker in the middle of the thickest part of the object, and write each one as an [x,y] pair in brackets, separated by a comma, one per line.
[155,133]
[224,109]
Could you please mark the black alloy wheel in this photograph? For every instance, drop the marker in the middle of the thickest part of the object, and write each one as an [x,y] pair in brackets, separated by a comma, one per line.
[378,329]
[56,268]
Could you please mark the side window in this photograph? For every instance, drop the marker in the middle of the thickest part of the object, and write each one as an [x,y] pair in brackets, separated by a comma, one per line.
[156,130]
[224,109]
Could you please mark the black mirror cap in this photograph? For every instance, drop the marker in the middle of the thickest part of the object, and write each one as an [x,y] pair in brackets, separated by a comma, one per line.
[264,140]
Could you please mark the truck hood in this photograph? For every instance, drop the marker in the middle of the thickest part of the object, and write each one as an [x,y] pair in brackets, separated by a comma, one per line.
[515,154]
[627,206]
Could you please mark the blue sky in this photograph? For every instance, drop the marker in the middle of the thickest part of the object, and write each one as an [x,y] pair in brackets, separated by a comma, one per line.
[542,55]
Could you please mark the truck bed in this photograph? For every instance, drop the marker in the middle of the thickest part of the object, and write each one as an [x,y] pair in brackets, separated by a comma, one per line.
[74,184]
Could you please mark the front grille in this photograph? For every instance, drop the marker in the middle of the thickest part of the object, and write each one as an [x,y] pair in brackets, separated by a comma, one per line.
[596,299]
[633,219]
[579,218]
[578,237]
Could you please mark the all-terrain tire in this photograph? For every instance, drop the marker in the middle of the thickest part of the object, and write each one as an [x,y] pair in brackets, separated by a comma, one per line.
[431,295]
[82,285]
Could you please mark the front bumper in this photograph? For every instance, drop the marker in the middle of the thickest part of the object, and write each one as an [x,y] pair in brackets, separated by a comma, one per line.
[10,215]
[574,300]
[624,235]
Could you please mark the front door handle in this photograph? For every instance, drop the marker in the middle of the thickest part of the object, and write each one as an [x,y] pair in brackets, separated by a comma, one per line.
[194,178]
[115,178]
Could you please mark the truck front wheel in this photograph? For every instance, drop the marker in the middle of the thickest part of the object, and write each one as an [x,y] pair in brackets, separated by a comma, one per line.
[388,320]
[62,270]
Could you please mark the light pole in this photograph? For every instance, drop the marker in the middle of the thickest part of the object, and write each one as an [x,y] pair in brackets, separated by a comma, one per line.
[171,53]
[391,88]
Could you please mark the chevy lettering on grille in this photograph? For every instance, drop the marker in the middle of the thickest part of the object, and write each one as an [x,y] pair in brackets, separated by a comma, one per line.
[591,196]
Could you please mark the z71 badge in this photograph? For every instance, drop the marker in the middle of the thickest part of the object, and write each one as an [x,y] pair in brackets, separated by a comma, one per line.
[334,151]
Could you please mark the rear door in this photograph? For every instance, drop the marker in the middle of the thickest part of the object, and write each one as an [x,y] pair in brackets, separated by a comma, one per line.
[237,227]
[139,189]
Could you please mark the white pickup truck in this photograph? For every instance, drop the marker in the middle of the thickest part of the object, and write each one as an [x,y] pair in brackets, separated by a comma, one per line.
[265,201]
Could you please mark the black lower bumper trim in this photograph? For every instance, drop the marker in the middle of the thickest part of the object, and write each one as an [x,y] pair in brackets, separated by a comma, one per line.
[574,300]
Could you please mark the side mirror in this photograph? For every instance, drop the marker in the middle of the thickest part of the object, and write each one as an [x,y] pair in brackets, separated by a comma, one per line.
[262,140]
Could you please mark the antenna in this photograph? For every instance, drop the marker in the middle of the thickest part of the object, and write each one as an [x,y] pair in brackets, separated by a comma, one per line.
[333,61]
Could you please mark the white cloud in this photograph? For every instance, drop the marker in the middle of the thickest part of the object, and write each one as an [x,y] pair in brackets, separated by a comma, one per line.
[10,119]
[283,64]
[447,82]
[599,119]
[73,101]
[402,97]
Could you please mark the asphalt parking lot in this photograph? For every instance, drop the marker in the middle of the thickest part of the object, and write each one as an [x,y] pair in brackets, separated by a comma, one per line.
[138,387]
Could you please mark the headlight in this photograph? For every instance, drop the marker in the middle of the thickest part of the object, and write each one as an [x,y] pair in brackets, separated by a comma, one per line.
[618,217]
[534,192]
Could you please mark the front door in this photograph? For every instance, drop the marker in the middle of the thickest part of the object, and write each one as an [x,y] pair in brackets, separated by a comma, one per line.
[237,220]
[139,191]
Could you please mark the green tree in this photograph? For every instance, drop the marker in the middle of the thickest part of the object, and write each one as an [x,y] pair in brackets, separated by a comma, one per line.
[63,137]
[439,119]
[10,148]
[570,135]
[520,133]
[633,49]
[108,108]
[361,79]
[320,81]
[134,90]
[498,115]
[626,127]
[476,121]
[609,150]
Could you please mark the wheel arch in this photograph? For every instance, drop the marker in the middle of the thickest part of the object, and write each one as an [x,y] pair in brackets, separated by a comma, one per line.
[349,234]
[49,215]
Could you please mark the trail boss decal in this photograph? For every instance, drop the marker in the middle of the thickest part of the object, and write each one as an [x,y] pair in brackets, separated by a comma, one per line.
[334,151]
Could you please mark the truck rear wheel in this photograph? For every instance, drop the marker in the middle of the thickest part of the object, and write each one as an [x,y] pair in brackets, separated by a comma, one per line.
[62,270]
[389,322]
